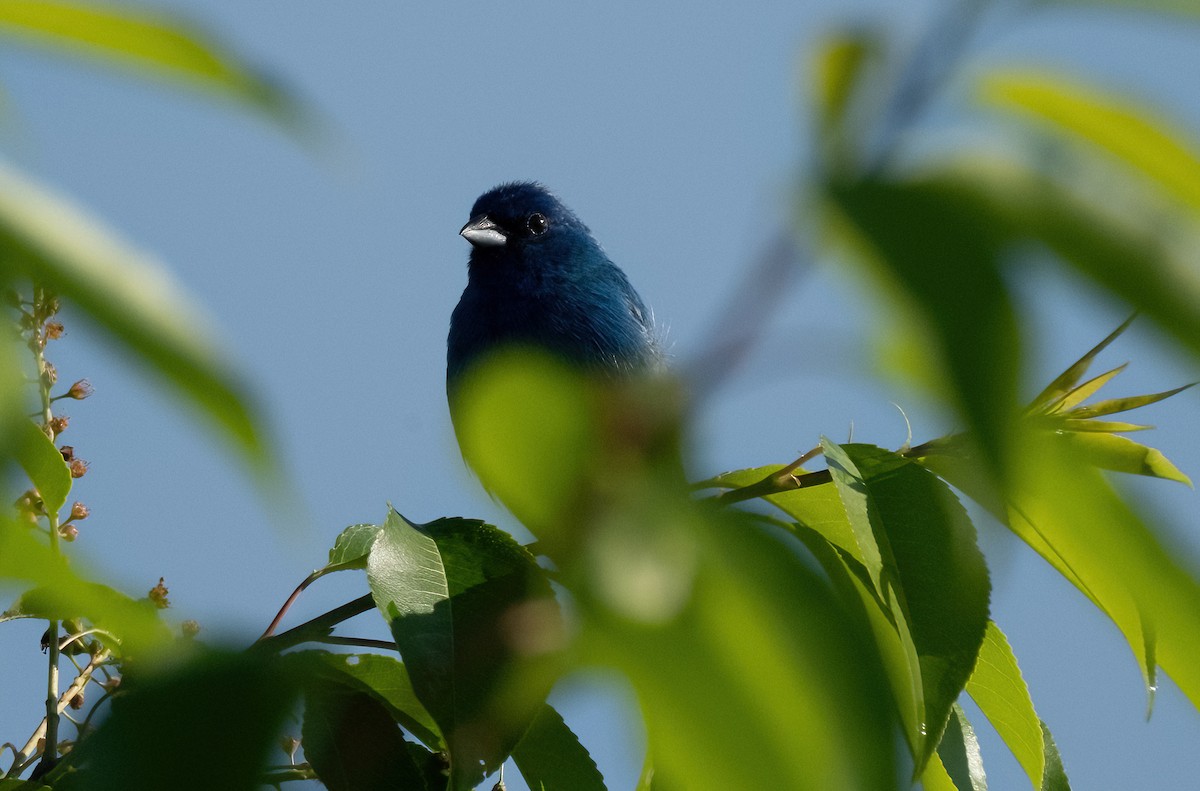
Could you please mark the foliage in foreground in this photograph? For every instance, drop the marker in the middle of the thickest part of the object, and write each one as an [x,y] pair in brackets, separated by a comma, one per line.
[782,627]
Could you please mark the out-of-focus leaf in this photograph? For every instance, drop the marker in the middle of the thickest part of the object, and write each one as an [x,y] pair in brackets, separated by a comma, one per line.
[551,758]
[1102,426]
[387,680]
[1114,405]
[47,240]
[353,744]
[1130,133]
[930,564]
[777,658]
[476,623]
[59,591]
[1121,454]
[352,546]
[186,708]
[960,755]
[936,777]
[151,42]
[1066,382]
[932,243]
[1180,7]
[44,465]
[839,63]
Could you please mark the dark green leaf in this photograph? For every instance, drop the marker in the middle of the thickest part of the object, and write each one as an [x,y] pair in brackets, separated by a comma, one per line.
[473,616]
[352,742]
[551,758]
[44,465]
[1055,778]
[959,751]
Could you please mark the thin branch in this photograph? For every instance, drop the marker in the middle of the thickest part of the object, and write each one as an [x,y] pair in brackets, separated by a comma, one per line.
[318,627]
[309,580]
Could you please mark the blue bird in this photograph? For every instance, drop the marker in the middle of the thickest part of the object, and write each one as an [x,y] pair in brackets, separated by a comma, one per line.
[537,278]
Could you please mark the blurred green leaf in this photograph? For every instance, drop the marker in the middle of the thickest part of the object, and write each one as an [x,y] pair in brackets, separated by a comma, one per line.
[1115,405]
[1130,133]
[930,563]
[1102,426]
[960,755]
[1121,454]
[839,63]
[352,547]
[936,777]
[387,680]
[44,465]
[551,758]
[475,620]
[353,744]
[931,242]
[746,623]
[1181,7]
[999,690]
[226,705]
[152,42]
[47,240]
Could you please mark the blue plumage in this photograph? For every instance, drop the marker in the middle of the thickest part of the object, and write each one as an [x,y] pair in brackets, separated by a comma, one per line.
[537,278]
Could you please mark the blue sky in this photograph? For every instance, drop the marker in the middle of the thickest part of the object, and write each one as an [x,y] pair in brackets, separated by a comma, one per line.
[677,133]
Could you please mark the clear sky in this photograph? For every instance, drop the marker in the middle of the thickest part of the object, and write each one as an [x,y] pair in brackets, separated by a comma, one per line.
[676,131]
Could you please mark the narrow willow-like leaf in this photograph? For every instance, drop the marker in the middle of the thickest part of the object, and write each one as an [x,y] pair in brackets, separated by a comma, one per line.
[1102,426]
[999,689]
[1130,133]
[960,754]
[1086,390]
[44,465]
[1114,405]
[352,547]
[551,758]
[839,66]
[1055,778]
[352,742]
[1067,380]
[47,240]
[152,42]
[1121,454]
[465,603]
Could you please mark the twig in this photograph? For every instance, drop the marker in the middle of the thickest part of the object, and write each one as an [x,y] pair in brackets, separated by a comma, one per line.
[318,627]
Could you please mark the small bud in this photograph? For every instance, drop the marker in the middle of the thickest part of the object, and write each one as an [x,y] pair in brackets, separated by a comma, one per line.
[190,628]
[78,468]
[112,683]
[46,307]
[499,786]
[54,330]
[49,373]
[68,453]
[68,532]
[289,745]
[79,511]
[158,595]
[59,423]
[77,701]
[45,641]
[80,390]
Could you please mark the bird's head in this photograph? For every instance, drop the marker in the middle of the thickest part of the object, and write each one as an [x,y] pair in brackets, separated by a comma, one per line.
[515,219]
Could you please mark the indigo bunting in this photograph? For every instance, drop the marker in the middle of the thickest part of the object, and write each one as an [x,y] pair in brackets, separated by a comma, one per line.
[537,278]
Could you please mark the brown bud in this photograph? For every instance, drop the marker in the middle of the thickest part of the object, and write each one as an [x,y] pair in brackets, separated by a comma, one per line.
[112,683]
[289,745]
[80,390]
[79,511]
[158,595]
[190,628]
[68,532]
[79,468]
[68,453]
[77,701]
[58,424]
[49,373]
[54,330]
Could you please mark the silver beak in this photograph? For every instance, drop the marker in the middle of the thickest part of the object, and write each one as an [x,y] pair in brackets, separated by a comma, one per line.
[482,232]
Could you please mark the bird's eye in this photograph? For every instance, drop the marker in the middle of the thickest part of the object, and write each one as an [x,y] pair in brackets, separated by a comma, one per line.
[537,223]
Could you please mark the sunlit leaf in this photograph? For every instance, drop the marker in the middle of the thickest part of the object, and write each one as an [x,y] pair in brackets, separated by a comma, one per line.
[44,465]
[551,758]
[353,743]
[352,546]
[1114,405]
[1083,392]
[960,755]
[1102,426]
[476,623]
[999,689]
[152,42]
[1066,381]
[47,240]
[1121,454]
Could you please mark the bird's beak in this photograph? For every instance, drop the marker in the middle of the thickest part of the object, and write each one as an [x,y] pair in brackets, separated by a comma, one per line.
[482,232]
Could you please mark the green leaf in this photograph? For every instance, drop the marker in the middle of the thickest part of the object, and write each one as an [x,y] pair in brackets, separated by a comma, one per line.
[44,465]
[1086,390]
[930,563]
[387,680]
[208,704]
[152,42]
[1066,382]
[47,240]
[1121,454]
[1055,778]
[930,244]
[959,751]
[1132,134]
[1181,7]
[1102,426]
[551,758]
[840,61]
[353,744]
[1115,405]
[475,620]
[746,622]
[352,547]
